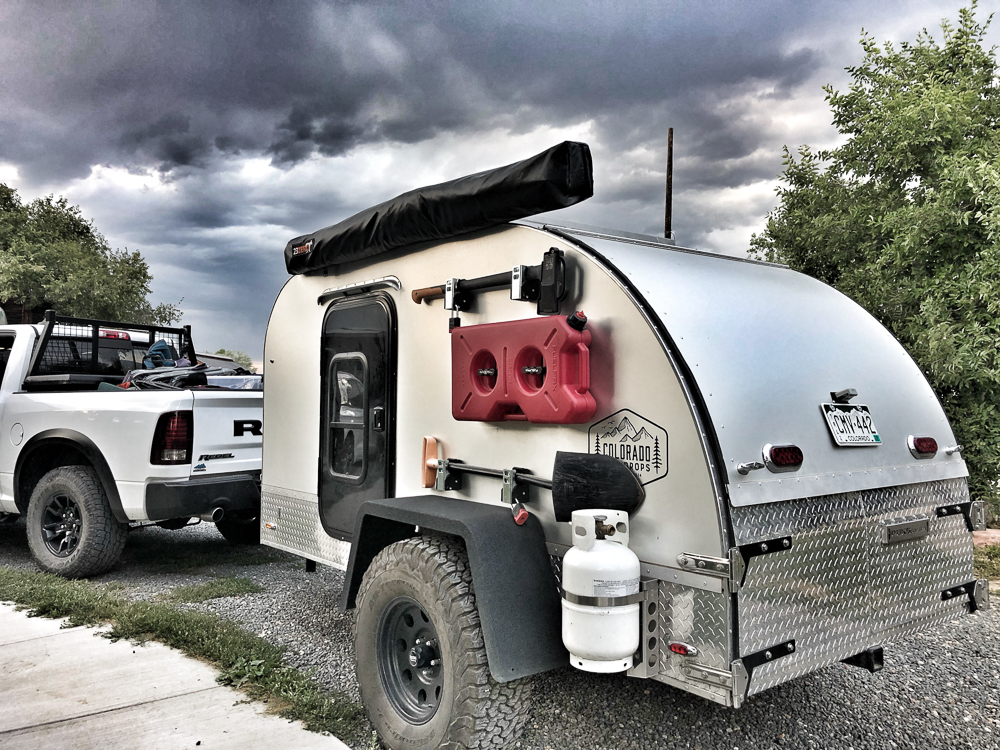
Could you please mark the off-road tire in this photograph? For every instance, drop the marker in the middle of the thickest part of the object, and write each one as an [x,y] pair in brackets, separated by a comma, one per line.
[476,711]
[240,530]
[101,536]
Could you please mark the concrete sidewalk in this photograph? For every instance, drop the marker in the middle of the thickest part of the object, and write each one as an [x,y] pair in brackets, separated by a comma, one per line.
[70,688]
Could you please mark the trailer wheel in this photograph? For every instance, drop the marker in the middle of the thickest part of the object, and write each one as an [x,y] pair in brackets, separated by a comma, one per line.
[240,530]
[421,659]
[71,529]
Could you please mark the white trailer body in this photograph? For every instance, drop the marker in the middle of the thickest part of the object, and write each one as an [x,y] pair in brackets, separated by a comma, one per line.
[699,364]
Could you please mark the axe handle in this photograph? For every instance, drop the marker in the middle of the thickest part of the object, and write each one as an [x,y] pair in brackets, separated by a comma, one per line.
[427,293]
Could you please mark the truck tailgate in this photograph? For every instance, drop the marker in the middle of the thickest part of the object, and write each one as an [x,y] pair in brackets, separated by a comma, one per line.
[227,432]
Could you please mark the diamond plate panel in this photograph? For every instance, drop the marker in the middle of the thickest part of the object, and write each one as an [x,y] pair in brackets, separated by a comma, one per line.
[839,589]
[297,528]
[700,619]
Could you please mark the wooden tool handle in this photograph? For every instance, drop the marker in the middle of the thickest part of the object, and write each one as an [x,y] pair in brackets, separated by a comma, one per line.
[427,293]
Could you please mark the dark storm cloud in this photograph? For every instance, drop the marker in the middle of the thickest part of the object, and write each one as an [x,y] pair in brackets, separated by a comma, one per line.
[193,91]
[169,85]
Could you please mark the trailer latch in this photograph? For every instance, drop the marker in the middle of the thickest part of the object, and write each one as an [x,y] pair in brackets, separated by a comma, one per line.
[733,567]
[978,592]
[743,668]
[973,511]
[446,479]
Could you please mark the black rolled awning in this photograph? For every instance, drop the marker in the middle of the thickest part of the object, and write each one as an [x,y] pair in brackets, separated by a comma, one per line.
[559,177]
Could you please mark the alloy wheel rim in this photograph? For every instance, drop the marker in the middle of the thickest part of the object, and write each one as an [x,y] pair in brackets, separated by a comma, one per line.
[61,525]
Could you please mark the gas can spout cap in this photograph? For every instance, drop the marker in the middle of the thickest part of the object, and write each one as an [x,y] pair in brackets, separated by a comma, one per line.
[577,320]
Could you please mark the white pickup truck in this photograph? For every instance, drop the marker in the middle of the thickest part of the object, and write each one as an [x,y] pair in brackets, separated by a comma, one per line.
[82,458]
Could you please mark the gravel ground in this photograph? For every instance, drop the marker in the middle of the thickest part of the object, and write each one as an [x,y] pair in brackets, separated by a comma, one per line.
[938,690]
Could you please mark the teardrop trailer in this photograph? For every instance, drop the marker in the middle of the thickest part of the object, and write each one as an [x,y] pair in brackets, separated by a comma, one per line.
[724,475]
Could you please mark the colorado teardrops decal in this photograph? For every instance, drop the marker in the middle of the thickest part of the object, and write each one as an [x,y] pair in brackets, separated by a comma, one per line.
[638,443]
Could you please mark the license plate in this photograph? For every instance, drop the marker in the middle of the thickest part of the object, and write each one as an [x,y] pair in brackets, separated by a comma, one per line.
[851,424]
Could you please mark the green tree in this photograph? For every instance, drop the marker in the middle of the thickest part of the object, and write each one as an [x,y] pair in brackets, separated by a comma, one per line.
[241,358]
[49,254]
[904,217]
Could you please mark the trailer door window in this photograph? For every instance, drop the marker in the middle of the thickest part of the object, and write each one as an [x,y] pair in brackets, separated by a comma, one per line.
[347,410]
[358,361]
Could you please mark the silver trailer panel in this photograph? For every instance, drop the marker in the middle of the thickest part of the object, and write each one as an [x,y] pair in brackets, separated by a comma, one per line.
[766,346]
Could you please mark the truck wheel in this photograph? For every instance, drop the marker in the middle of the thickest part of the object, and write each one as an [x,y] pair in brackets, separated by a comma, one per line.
[240,530]
[421,659]
[71,529]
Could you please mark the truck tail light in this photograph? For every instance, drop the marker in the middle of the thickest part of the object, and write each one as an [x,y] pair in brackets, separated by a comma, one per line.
[173,439]
[922,447]
[782,457]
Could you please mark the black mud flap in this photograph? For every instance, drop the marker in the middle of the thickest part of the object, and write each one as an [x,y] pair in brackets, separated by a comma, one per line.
[514,583]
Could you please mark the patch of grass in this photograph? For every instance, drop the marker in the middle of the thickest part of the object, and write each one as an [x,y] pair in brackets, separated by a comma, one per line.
[245,661]
[987,561]
[215,589]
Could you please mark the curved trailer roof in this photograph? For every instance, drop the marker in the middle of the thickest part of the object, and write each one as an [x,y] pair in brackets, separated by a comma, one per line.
[765,346]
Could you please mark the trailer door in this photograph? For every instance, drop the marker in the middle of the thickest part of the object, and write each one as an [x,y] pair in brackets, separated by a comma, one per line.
[359,381]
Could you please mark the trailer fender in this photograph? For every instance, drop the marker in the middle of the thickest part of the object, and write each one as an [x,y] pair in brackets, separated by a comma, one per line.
[516,589]
[62,447]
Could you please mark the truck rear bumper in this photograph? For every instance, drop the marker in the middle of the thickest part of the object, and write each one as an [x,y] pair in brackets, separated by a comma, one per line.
[193,497]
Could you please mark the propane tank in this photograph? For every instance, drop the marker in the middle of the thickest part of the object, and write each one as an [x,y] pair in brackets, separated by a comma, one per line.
[600,581]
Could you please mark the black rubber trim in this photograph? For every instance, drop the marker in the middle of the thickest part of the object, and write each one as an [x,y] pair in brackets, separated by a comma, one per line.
[514,583]
[86,446]
[192,497]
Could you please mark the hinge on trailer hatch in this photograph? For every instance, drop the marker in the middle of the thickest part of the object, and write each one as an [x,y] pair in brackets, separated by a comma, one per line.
[734,568]
[973,511]
[978,592]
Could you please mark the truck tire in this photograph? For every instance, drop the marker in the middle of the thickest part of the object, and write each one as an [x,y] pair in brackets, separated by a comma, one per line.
[240,530]
[421,658]
[71,529]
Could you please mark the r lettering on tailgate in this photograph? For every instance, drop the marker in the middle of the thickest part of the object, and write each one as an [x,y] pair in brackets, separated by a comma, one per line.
[243,426]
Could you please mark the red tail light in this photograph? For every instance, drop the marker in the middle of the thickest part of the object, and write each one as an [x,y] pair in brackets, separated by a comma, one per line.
[173,439]
[922,447]
[782,457]
[683,649]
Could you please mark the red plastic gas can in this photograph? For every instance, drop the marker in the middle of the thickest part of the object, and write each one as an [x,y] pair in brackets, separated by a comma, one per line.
[536,370]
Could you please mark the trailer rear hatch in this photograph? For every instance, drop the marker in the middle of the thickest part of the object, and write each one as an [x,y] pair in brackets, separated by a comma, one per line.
[864,540]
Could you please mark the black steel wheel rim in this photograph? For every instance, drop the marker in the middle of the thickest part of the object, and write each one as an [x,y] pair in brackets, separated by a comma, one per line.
[409,660]
[61,524]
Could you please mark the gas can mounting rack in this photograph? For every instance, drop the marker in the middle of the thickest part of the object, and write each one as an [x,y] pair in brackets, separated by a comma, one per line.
[544,284]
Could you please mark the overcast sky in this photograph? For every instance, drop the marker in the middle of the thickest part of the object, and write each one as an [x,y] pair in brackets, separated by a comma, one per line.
[207,134]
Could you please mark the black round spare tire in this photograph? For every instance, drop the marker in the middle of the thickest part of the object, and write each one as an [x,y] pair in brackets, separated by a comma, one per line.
[421,660]
[72,531]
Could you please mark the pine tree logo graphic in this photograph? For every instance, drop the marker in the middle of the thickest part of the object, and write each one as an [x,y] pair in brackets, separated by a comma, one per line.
[635,441]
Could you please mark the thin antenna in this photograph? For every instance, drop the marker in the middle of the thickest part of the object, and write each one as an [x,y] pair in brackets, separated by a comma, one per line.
[668,211]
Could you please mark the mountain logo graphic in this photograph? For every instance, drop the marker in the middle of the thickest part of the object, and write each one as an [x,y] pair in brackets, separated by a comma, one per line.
[634,440]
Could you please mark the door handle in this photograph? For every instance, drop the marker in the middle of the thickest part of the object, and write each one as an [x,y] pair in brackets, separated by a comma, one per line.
[378,419]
